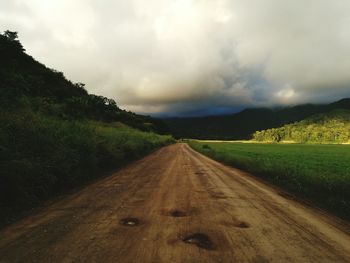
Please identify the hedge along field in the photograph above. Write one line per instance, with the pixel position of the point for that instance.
(319, 173)
(41, 156)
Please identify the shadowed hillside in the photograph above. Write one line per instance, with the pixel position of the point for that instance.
(243, 124)
(27, 83)
(55, 136)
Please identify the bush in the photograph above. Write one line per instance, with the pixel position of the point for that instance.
(42, 156)
(206, 146)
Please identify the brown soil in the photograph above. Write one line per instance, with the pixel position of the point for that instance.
(177, 205)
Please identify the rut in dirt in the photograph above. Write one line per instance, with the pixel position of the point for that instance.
(176, 205)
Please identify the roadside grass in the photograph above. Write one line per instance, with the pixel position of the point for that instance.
(42, 156)
(318, 173)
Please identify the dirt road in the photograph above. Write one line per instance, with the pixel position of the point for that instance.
(176, 205)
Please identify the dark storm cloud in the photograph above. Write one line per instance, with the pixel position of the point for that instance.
(192, 57)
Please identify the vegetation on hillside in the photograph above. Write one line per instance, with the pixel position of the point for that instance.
(242, 125)
(27, 83)
(332, 127)
(55, 136)
(41, 156)
(319, 173)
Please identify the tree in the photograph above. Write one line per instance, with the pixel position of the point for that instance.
(11, 35)
(12, 38)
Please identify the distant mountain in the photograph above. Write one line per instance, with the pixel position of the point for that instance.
(330, 127)
(26, 83)
(243, 124)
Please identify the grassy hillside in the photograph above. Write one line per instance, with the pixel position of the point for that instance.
(243, 124)
(332, 127)
(55, 136)
(319, 173)
(27, 83)
(41, 156)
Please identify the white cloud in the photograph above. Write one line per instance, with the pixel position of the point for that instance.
(160, 55)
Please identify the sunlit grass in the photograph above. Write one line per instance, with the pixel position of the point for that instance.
(320, 173)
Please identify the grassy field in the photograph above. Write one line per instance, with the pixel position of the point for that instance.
(41, 156)
(319, 173)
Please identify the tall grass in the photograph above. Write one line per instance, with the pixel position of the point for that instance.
(41, 156)
(319, 173)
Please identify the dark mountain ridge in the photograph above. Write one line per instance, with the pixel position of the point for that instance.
(243, 124)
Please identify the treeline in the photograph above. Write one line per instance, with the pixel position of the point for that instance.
(332, 127)
(27, 83)
(241, 125)
(55, 136)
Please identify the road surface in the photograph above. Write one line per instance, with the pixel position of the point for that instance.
(177, 205)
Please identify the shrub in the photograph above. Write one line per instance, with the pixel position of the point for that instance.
(42, 156)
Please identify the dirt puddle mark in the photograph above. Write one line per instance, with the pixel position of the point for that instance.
(200, 240)
(130, 221)
(235, 223)
(287, 196)
(217, 195)
(242, 225)
(177, 213)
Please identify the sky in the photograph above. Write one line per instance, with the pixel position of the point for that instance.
(191, 57)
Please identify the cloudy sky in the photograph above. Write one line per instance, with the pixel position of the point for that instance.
(188, 57)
